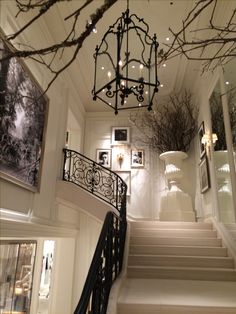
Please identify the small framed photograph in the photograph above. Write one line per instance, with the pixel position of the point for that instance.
(104, 157)
(120, 135)
(126, 177)
(201, 132)
(204, 175)
(137, 158)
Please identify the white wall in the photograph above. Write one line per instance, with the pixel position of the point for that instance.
(202, 87)
(147, 183)
(44, 218)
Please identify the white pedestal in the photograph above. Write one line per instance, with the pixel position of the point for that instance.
(176, 205)
(224, 187)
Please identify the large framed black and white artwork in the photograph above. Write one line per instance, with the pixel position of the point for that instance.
(23, 116)
(120, 135)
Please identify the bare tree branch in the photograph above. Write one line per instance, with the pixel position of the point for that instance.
(216, 49)
(71, 40)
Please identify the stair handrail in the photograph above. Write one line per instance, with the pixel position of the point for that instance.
(107, 261)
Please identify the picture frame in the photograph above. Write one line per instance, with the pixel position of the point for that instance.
(120, 135)
(126, 177)
(24, 122)
(103, 157)
(204, 175)
(201, 132)
(137, 158)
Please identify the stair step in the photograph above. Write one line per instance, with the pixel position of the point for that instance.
(180, 261)
(175, 241)
(134, 308)
(178, 250)
(184, 273)
(192, 233)
(171, 225)
(231, 226)
(233, 233)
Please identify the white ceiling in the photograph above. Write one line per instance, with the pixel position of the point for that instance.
(160, 15)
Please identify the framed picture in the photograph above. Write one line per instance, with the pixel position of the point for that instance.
(137, 158)
(204, 175)
(201, 132)
(23, 122)
(120, 135)
(126, 177)
(104, 157)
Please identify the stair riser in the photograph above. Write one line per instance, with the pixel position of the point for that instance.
(231, 226)
(175, 233)
(172, 309)
(175, 241)
(171, 225)
(181, 261)
(185, 274)
(172, 250)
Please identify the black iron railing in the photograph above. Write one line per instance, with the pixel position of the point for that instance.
(108, 257)
(92, 177)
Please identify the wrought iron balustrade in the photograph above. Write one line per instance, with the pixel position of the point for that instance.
(105, 267)
(92, 177)
(107, 261)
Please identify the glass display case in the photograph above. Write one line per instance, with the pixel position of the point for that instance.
(16, 274)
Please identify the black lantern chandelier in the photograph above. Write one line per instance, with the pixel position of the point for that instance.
(126, 79)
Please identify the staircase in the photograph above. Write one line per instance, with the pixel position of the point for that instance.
(185, 259)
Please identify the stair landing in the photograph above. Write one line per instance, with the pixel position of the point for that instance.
(166, 296)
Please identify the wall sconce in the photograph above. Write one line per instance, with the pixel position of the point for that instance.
(120, 158)
(207, 140)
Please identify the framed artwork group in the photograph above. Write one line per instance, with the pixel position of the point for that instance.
(120, 158)
(203, 165)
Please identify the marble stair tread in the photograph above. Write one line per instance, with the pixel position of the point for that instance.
(174, 232)
(172, 309)
(186, 273)
(178, 250)
(231, 226)
(181, 261)
(159, 296)
(175, 241)
(171, 225)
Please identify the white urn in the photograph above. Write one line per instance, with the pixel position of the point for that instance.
(175, 205)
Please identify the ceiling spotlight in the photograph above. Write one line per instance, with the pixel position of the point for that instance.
(161, 85)
(164, 65)
(227, 82)
(167, 38)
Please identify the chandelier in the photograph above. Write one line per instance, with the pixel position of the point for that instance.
(126, 65)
